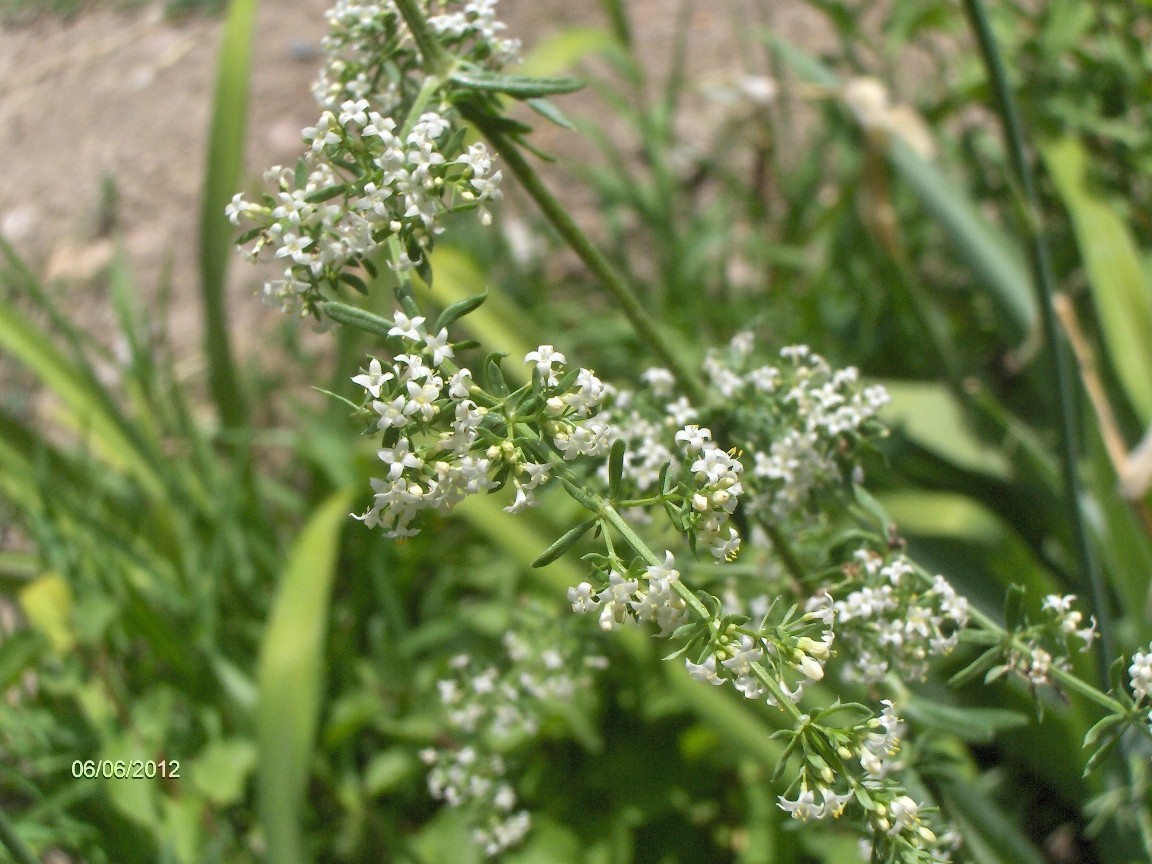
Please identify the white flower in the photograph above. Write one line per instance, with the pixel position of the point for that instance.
(804, 807)
(1141, 673)
(439, 346)
(582, 598)
(406, 327)
(374, 379)
(705, 672)
(544, 357)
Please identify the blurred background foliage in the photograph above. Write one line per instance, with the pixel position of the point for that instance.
(179, 581)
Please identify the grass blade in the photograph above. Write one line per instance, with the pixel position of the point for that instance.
(1119, 286)
(225, 160)
(290, 679)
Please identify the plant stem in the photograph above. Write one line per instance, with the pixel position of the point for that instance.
(645, 326)
(432, 54)
(1044, 284)
(16, 847)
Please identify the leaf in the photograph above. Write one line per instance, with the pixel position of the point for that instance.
(355, 281)
(616, 468)
(47, 603)
(1121, 291)
(290, 679)
(516, 86)
(361, 319)
(566, 541)
(1014, 607)
(977, 667)
(565, 49)
(997, 265)
(979, 725)
(388, 770)
(325, 194)
(225, 161)
(88, 404)
(550, 112)
(458, 310)
(222, 769)
(19, 652)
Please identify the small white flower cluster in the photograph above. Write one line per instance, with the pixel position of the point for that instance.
(363, 37)
(1049, 643)
(896, 620)
(378, 168)
(894, 818)
(430, 430)
(1141, 674)
(1069, 619)
(485, 703)
(362, 182)
(651, 597)
(816, 414)
(798, 422)
(795, 650)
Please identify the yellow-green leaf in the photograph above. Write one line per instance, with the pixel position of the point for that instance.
(290, 679)
(47, 603)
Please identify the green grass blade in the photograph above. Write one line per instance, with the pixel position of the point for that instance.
(225, 161)
(290, 679)
(87, 403)
(1120, 290)
(997, 266)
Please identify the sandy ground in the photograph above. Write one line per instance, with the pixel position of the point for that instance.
(124, 97)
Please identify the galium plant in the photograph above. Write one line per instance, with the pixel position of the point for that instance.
(742, 458)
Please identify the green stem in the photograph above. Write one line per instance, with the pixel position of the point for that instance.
(16, 847)
(643, 323)
(432, 54)
(1044, 283)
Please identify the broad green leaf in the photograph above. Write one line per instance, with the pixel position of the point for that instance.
(136, 798)
(290, 679)
(1120, 287)
(221, 182)
(222, 769)
(933, 417)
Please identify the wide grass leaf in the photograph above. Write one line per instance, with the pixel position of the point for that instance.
(290, 679)
(1120, 290)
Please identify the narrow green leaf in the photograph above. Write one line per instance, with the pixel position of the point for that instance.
(325, 194)
(350, 316)
(997, 265)
(516, 86)
(971, 724)
(1014, 607)
(550, 112)
(89, 406)
(458, 310)
(355, 281)
(566, 541)
(225, 160)
(290, 679)
(616, 468)
(1120, 287)
(977, 667)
